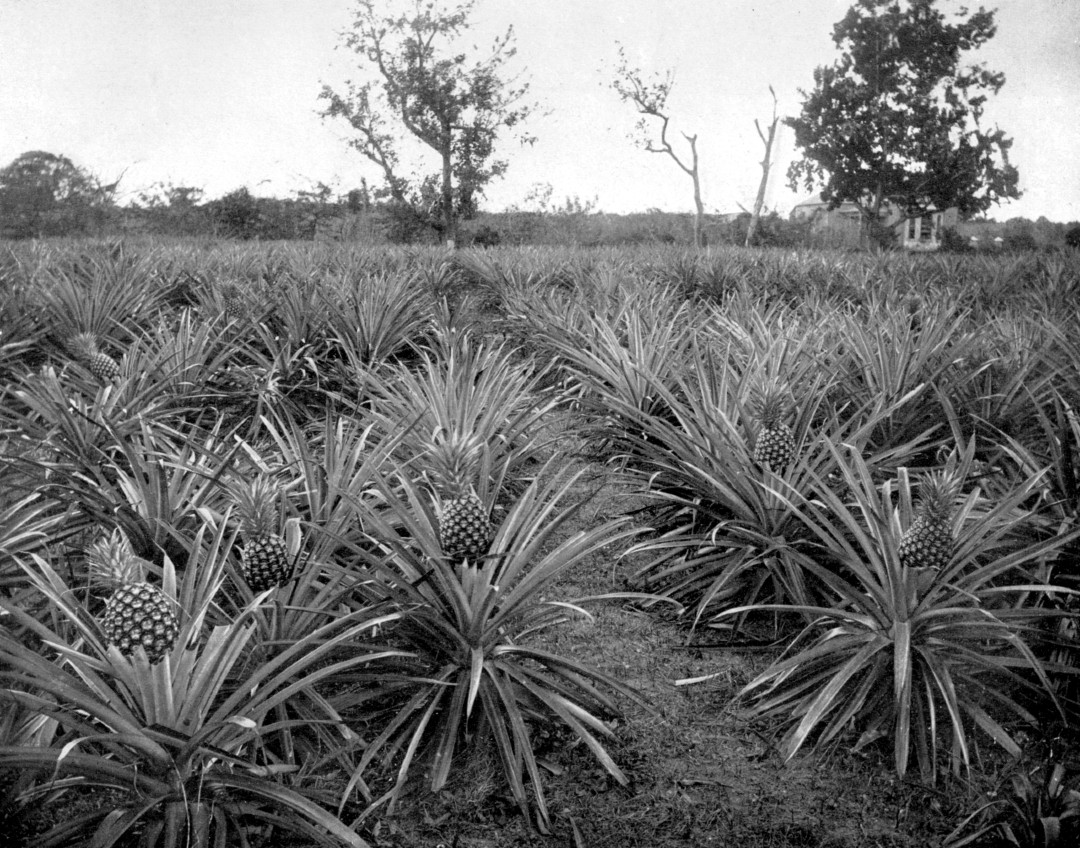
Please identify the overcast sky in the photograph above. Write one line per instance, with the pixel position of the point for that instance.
(220, 94)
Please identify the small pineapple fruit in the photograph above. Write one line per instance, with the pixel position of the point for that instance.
(101, 365)
(775, 445)
(464, 527)
(232, 300)
(929, 542)
(234, 379)
(137, 613)
(265, 559)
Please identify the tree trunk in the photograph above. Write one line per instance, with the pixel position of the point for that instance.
(759, 201)
(699, 212)
(871, 220)
(449, 224)
(699, 207)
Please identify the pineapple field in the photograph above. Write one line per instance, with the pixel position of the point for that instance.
(320, 545)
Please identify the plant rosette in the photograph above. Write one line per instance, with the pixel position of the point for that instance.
(467, 626)
(916, 656)
(177, 738)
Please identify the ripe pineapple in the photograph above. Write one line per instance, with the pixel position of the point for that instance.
(136, 613)
(101, 365)
(233, 302)
(265, 559)
(929, 542)
(775, 445)
(465, 530)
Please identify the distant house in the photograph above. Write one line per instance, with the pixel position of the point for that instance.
(729, 217)
(842, 226)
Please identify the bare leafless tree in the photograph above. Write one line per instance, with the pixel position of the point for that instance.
(767, 139)
(649, 96)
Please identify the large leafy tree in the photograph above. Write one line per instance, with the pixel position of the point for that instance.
(897, 119)
(43, 194)
(422, 81)
(236, 214)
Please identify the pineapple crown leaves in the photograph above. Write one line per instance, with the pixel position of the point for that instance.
(113, 562)
(938, 491)
(936, 496)
(453, 461)
(258, 505)
(233, 290)
(84, 344)
(770, 403)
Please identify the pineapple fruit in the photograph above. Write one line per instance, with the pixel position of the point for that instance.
(137, 613)
(232, 300)
(465, 529)
(101, 365)
(265, 559)
(929, 542)
(775, 446)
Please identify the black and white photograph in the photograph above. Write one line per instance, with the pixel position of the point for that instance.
(539, 424)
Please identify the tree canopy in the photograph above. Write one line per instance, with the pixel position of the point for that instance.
(897, 119)
(43, 194)
(455, 104)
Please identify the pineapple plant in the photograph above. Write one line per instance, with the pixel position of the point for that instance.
(465, 529)
(929, 541)
(137, 613)
(265, 559)
(101, 365)
(775, 446)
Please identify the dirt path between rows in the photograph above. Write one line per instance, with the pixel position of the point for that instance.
(700, 775)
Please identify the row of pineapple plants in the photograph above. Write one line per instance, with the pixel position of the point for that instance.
(284, 592)
(893, 472)
(351, 397)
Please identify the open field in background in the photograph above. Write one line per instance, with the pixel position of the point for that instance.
(549, 574)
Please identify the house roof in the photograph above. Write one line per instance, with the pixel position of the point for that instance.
(815, 200)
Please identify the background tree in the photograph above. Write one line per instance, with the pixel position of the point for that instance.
(455, 105)
(236, 214)
(649, 97)
(174, 210)
(313, 206)
(539, 196)
(1018, 235)
(897, 120)
(359, 199)
(43, 194)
